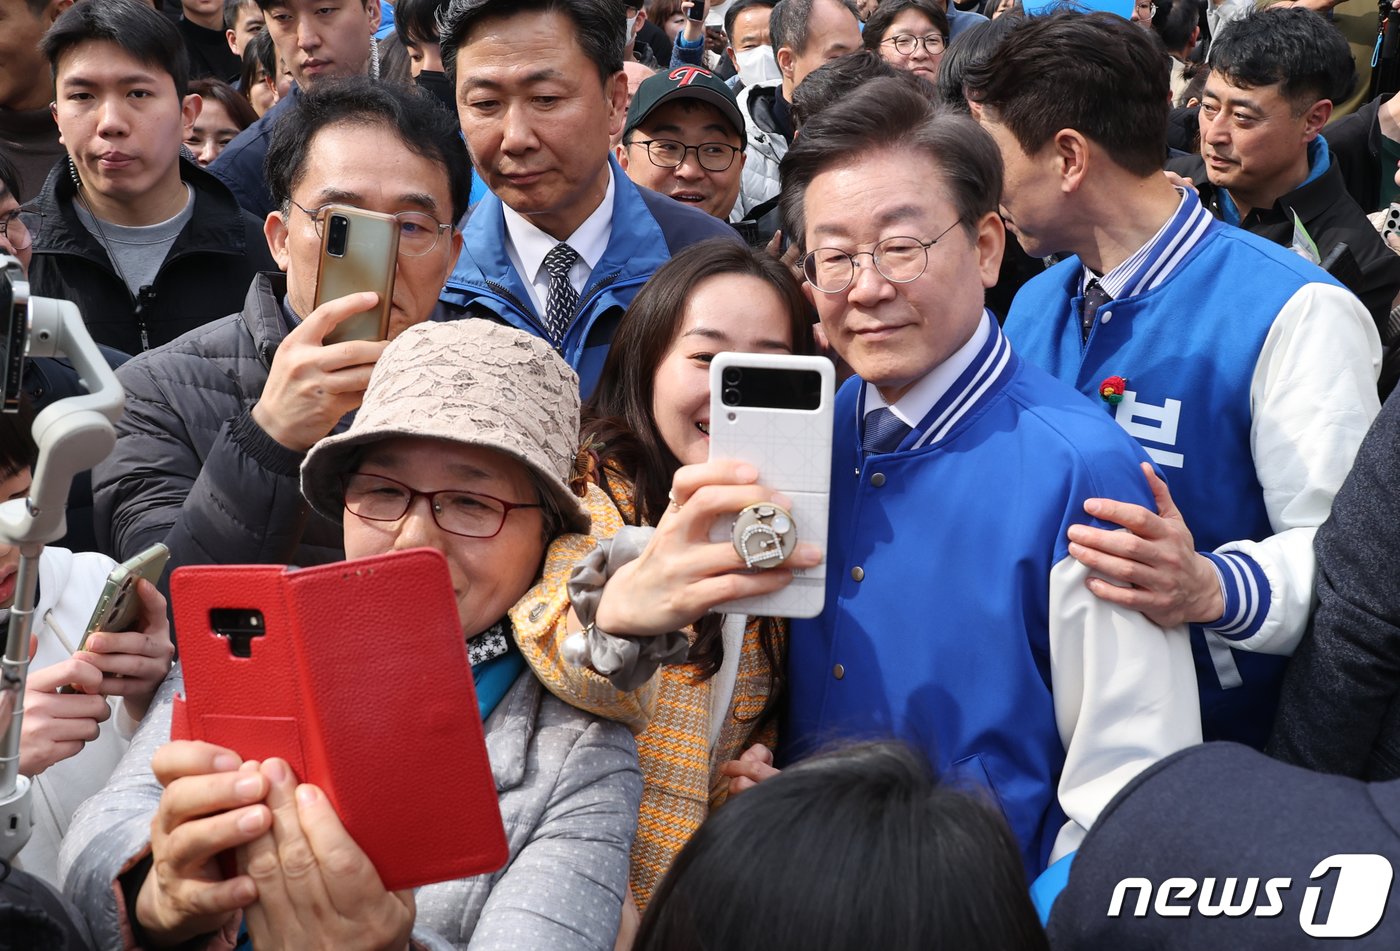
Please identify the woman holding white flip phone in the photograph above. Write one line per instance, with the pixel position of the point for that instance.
(646, 463)
(72, 741)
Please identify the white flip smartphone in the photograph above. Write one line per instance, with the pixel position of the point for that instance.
(775, 412)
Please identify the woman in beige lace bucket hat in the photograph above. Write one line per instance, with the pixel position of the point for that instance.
(472, 383)
(465, 443)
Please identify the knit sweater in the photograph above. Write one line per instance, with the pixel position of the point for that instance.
(670, 713)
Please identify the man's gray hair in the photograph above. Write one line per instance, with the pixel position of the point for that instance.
(790, 23)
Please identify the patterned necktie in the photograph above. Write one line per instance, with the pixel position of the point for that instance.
(562, 299)
(1094, 298)
(884, 431)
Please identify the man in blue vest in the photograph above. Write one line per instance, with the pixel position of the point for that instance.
(565, 240)
(1246, 372)
(955, 618)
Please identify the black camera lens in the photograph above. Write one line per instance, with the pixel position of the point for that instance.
(731, 396)
(339, 231)
(732, 375)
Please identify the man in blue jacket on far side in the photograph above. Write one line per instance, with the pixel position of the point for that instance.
(564, 241)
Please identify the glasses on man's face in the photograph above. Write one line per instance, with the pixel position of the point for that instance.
(18, 226)
(668, 153)
(381, 499)
(418, 230)
(906, 43)
(898, 260)
(1145, 11)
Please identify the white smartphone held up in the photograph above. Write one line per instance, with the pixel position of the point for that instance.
(775, 412)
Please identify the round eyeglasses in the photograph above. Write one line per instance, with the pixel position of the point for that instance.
(906, 43)
(898, 260)
(668, 153)
(381, 499)
(418, 230)
(17, 227)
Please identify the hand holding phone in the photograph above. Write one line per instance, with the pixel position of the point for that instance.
(59, 721)
(683, 574)
(134, 663)
(1390, 232)
(359, 252)
(119, 606)
(311, 386)
(697, 10)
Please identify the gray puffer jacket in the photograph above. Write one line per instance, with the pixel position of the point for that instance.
(192, 469)
(569, 789)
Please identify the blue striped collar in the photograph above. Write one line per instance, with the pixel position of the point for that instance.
(1154, 262)
(991, 362)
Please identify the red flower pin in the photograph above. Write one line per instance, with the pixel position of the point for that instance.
(1112, 389)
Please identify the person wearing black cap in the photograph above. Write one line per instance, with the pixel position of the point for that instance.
(685, 138)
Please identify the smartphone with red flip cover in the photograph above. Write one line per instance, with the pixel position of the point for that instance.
(356, 674)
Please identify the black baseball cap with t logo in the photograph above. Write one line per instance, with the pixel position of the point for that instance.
(685, 82)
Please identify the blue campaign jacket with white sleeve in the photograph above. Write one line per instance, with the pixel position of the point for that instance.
(647, 229)
(956, 620)
(1250, 382)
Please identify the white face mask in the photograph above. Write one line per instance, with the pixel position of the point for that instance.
(757, 65)
(631, 29)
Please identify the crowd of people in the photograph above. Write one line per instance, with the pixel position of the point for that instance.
(1114, 498)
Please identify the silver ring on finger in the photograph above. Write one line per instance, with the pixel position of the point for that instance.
(672, 496)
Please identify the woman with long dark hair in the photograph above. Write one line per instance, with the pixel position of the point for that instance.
(644, 463)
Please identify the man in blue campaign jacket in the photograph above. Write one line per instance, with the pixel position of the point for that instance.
(1247, 373)
(954, 617)
(565, 240)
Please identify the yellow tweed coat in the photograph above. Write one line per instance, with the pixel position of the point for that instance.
(670, 714)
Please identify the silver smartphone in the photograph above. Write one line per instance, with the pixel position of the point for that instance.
(119, 606)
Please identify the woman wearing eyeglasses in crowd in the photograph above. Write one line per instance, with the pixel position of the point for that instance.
(909, 34)
(464, 443)
(646, 449)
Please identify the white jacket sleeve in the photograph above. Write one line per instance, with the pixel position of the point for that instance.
(1312, 400)
(1124, 692)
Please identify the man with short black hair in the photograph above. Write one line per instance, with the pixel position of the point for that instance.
(242, 18)
(28, 134)
(144, 242)
(1180, 30)
(1247, 373)
(217, 422)
(316, 41)
(1264, 165)
(202, 26)
(1005, 669)
(804, 34)
(565, 240)
(684, 138)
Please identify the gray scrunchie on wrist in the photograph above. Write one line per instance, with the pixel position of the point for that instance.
(627, 662)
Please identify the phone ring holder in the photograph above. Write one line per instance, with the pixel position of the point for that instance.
(764, 535)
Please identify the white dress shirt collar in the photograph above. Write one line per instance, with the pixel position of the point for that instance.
(527, 246)
(918, 402)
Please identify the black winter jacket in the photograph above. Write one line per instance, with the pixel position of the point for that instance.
(1355, 143)
(1331, 216)
(1340, 707)
(192, 469)
(34, 915)
(205, 276)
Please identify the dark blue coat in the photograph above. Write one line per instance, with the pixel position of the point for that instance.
(647, 228)
(1287, 851)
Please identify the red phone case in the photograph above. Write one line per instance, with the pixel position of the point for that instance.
(361, 682)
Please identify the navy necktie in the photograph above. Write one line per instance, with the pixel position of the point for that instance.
(562, 298)
(1094, 298)
(884, 431)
